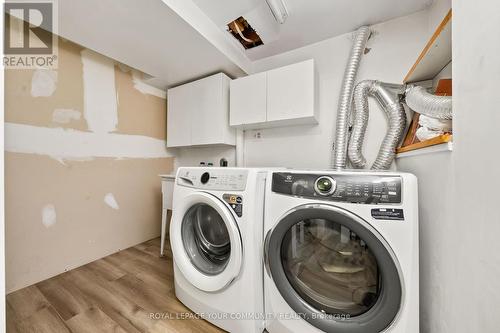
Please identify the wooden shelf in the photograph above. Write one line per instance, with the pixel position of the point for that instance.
(435, 55)
(427, 143)
(442, 147)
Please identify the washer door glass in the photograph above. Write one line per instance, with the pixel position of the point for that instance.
(330, 267)
(206, 239)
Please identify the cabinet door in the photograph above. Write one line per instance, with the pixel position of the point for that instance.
(208, 119)
(290, 92)
(248, 100)
(179, 108)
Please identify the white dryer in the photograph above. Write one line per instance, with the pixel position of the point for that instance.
(216, 234)
(341, 252)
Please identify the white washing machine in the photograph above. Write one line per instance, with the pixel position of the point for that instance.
(216, 234)
(341, 252)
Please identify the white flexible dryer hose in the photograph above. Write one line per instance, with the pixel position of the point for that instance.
(419, 100)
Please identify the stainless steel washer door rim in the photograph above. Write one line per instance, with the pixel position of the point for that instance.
(309, 268)
(206, 239)
(188, 261)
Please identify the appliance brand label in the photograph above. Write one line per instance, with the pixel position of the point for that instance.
(388, 214)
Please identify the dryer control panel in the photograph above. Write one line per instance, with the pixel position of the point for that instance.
(213, 178)
(364, 189)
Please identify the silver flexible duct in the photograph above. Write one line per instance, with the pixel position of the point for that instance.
(388, 97)
(419, 100)
(360, 122)
(358, 47)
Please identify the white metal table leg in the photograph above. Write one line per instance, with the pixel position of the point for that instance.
(163, 230)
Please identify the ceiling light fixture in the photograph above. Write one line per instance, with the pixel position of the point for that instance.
(279, 10)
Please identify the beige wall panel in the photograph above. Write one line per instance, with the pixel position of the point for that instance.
(139, 113)
(85, 228)
(22, 107)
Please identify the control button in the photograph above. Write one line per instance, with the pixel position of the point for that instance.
(325, 185)
(205, 178)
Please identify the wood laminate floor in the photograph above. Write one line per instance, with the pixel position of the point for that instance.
(129, 291)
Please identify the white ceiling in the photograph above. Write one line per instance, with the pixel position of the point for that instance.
(176, 41)
(146, 35)
(311, 21)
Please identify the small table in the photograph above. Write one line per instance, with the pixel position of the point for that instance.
(167, 190)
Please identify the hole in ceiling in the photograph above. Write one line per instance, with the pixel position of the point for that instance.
(244, 33)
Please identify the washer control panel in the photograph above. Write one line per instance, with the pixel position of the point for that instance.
(213, 178)
(364, 189)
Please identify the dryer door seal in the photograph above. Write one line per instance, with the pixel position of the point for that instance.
(206, 242)
(334, 270)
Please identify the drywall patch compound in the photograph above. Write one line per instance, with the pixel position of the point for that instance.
(64, 116)
(49, 216)
(43, 83)
(145, 88)
(110, 200)
(72, 144)
(99, 92)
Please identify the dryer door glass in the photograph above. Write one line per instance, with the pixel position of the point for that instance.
(331, 267)
(206, 239)
(334, 269)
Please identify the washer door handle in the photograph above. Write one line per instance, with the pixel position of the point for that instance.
(266, 253)
(185, 181)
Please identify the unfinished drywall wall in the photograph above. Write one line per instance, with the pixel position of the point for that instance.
(61, 216)
(85, 144)
(393, 49)
(134, 96)
(24, 103)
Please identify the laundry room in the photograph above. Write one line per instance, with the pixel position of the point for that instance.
(249, 166)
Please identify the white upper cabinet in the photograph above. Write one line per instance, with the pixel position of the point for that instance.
(179, 109)
(198, 113)
(290, 92)
(248, 100)
(279, 97)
